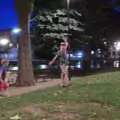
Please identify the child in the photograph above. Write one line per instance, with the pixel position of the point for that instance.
(3, 72)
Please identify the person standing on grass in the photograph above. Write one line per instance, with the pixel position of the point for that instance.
(67, 43)
(64, 64)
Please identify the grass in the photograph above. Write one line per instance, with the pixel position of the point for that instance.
(94, 97)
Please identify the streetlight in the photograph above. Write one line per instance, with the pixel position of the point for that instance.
(68, 17)
(15, 33)
(4, 41)
(16, 30)
(92, 52)
(68, 2)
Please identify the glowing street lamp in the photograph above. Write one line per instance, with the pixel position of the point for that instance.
(16, 30)
(92, 52)
(4, 41)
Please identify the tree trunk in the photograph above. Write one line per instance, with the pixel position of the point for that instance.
(25, 73)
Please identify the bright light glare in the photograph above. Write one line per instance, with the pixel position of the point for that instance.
(117, 46)
(79, 54)
(105, 43)
(43, 66)
(71, 55)
(10, 45)
(68, 2)
(78, 65)
(14, 68)
(16, 30)
(92, 52)
(4, 41)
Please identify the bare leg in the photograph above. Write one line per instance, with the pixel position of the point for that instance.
(66, 78)
(62, 78)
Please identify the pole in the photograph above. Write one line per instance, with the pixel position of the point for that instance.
(68, 19)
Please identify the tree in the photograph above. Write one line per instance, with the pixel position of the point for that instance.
(52, 25)
(25, 73)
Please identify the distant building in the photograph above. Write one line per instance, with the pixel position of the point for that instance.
(114, 53)
(7, 51)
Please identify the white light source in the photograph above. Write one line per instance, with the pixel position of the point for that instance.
(78, 65)
(16, 30)
(68, 2)
(99, 50)
(79, 54)
(43, 66)
(92, 52)
(10, 45)
(117, 46)
(105, 43)
(14, 68)
(4, 41)
(71, 55)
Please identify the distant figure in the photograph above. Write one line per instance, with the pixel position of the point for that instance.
(3, 68)
(3, 73)
(64, 64)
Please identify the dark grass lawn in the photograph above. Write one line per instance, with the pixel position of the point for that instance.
(94, 97)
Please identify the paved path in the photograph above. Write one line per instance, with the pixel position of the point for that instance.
(12, 91)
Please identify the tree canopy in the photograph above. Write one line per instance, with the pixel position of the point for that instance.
(50, 26)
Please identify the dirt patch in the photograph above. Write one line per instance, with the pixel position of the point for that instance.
(65, 116)
(12, 91)
(66, 111)
(33, 109)
(102, 106)
(60, 108)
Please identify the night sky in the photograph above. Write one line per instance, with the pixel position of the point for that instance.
(9, 18)
(101, 14)
(8, 15)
